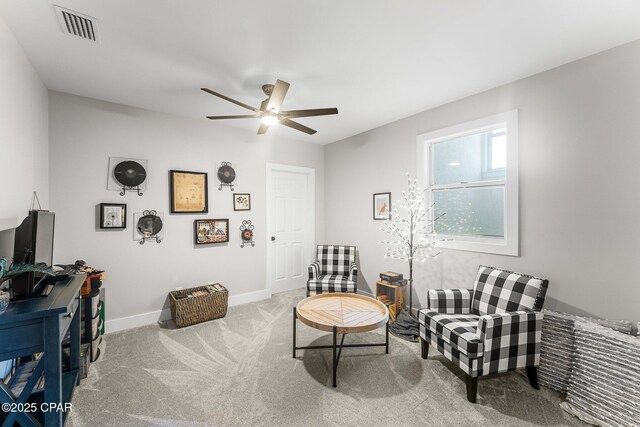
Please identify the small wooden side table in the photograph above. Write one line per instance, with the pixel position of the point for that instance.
(395, 292)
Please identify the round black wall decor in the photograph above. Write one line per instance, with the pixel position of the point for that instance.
(129, 173)
(226, 175)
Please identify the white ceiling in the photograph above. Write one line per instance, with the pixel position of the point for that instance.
(376, 60)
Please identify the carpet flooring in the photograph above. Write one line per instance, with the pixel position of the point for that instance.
(239, 371)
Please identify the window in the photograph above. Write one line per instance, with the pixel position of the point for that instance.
(471, 172)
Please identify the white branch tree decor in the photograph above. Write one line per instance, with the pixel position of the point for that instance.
(412, 229)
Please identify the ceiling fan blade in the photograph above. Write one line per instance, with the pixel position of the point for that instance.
(263, 129)
(277, 95)
(309, 113)
(226, 98)
(297, 126)
(245, 116)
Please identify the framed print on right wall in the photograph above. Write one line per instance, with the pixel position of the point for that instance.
(241, 201)
(381, 206)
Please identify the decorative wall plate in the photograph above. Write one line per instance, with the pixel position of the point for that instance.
(148, 226)
(127, 174)
(246, 233)
(226, 175)
(130, 173)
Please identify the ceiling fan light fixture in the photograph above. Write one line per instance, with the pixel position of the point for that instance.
(270, 112)
(270, 119)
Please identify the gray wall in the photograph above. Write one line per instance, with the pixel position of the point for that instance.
(85, 132)
(23, 137)
(579, 136)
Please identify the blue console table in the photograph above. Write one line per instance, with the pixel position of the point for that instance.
(39, 325)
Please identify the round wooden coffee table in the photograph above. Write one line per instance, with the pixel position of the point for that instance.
(343, 313)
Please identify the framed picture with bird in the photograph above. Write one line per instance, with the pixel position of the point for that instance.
(381, 206)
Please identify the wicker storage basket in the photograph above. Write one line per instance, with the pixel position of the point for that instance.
(189, 311)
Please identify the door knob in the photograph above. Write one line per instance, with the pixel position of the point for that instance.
(273, 238)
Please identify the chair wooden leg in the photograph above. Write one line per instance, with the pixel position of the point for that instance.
(472, 388)
(532, 374)
(424, 348)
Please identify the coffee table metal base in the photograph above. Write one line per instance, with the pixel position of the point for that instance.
(337, 349)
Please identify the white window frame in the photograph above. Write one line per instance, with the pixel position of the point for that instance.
(509, 244)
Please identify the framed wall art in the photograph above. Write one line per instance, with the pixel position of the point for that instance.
(381, 206)
(241, 201)
(211, 231)
(189, 192)
(113, 215)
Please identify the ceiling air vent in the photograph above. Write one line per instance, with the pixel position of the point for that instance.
(77, 24)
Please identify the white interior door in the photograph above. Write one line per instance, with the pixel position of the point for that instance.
(291, 225)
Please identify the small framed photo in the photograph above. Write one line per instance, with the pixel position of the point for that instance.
(211, 231)
(113, 215)
(381, 205)
(241, 201)
(189, 192)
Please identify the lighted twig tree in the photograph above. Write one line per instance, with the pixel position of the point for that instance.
(412, 227)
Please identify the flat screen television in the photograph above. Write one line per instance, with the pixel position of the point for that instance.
(33, 244)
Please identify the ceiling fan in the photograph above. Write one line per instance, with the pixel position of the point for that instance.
(269, 112)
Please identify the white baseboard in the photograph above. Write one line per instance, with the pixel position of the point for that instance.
(152, 317)
(123, 323)
(249, 297)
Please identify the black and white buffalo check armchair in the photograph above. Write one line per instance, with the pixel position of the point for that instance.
(494, 327)
(333, 271)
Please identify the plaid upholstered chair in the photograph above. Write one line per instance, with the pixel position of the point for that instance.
(494, 327)
(333, 271)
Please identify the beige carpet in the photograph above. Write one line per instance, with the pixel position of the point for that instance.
(238, 371)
